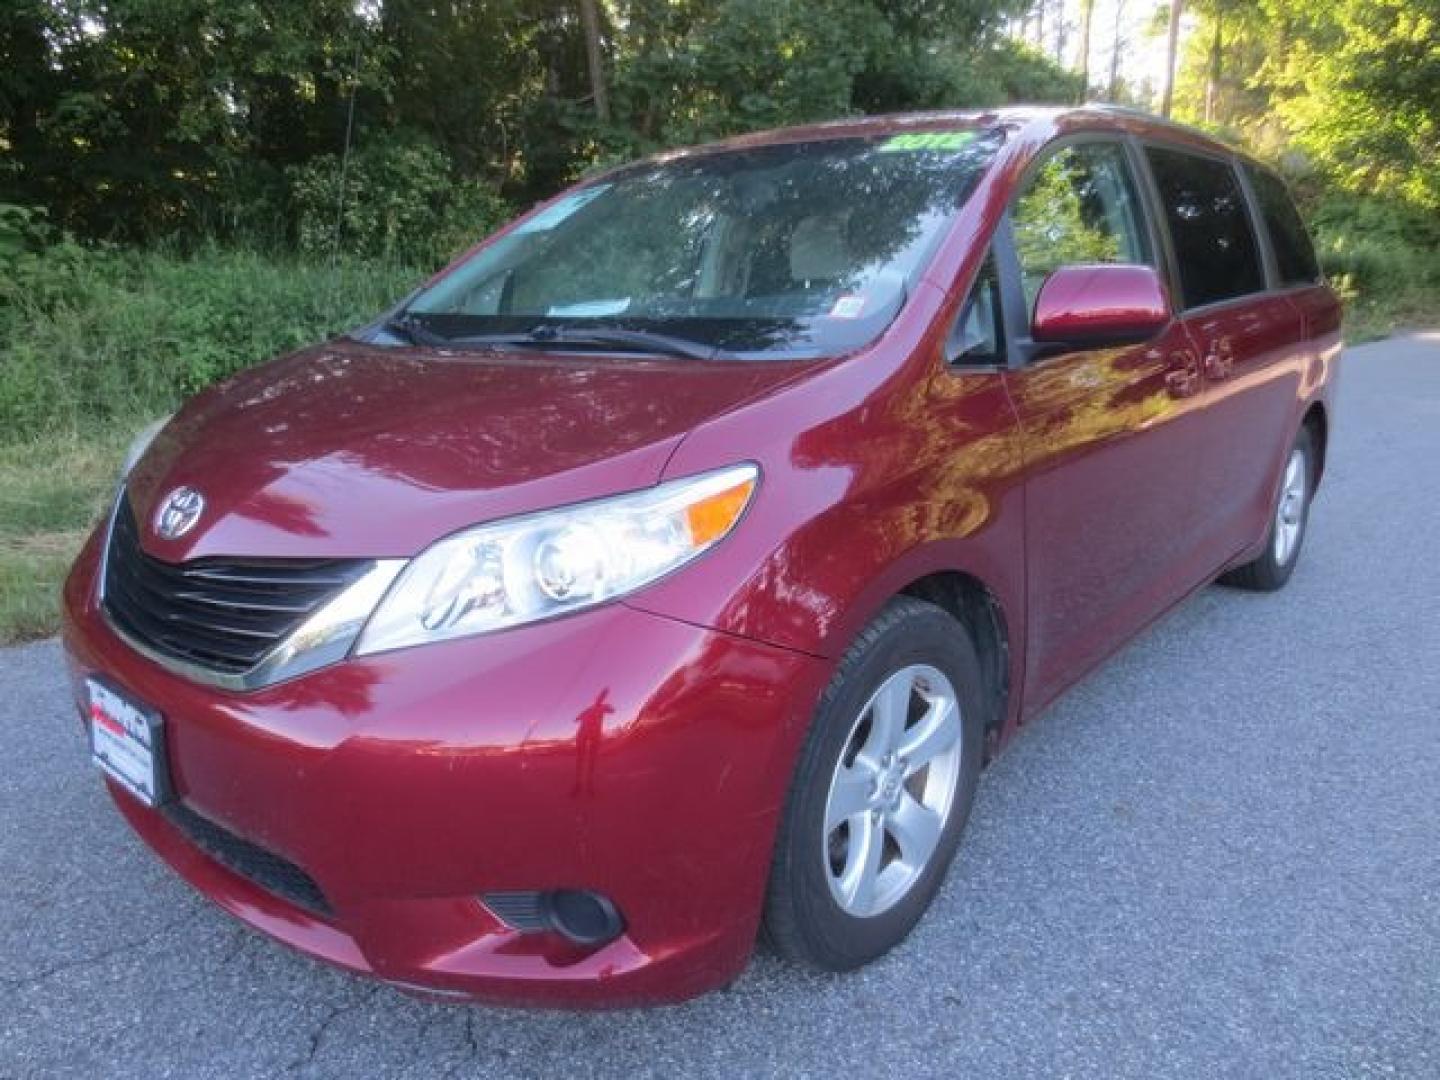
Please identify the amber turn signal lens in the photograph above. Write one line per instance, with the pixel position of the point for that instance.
(713, 516)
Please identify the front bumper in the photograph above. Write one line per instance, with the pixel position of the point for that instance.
(617, 751)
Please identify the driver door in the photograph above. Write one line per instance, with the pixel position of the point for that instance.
(1112, 437)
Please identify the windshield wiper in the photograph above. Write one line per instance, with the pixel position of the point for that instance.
(599, 337)
(410, 327)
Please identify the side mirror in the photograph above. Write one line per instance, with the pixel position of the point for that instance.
(1098, 306)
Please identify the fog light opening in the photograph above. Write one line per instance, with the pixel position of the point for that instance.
(586, 918)
(579, 916)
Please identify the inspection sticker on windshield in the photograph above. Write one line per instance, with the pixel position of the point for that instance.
(848, 306)
(928, 140)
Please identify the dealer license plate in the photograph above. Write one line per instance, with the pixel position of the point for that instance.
(127, 742)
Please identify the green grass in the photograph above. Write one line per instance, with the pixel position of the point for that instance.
(102, 336)
(52, 490)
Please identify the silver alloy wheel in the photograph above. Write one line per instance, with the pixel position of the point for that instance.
(892, 790)
(1290, 511)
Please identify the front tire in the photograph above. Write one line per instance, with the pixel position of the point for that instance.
(1288, 523)
(882, 791)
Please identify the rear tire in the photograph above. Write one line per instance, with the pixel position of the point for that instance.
(1289, 520)
(881, 793)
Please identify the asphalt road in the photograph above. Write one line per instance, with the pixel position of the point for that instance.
(1220, 856)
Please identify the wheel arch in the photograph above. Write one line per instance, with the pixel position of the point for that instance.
(976, 607)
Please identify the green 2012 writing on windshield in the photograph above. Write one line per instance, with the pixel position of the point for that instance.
(928, 140)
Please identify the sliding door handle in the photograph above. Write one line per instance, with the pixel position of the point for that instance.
(1220, 359)
(1183, 380)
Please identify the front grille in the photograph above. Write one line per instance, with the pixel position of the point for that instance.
(221, 614)
(275, 875)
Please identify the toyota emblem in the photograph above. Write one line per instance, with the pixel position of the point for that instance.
(178, 513)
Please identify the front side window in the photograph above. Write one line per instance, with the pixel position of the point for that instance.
(1209, 226)
(978, 336)
(1080, 206)
(793, 249)
(1294, 253)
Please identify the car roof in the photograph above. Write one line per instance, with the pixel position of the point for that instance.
(1041, 122)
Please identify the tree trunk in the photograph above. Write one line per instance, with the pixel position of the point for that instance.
(1119, 43)
(1087, 13)
(1167, 97)
(1212, 83)
(591, 19)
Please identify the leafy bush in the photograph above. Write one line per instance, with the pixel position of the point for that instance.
(91, 335)
(1377, 244)
(1016, 71)
(23, 229)
(1383, 255)
(400, 203)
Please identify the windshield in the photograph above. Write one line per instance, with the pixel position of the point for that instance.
(800, 249)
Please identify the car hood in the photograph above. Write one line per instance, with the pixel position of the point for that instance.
(349, 450)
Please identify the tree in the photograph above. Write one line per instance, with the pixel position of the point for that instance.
(1356, 86)
(1087, 16)
(1216, 65)
(1172, 41)
(1346, 89)
(593, 56)
(131, 119)
(1217, 70)
(1117, 46)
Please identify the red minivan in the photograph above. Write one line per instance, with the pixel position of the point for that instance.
(666, 568)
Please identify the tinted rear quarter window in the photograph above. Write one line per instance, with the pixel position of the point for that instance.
(1209, 226)
(1294, 253)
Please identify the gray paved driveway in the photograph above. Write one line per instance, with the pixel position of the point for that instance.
(1219, 856)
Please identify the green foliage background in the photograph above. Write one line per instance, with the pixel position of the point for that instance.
(1344, 95)
(136, 119)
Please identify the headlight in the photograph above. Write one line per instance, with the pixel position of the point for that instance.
(141, 443)
(546, 564)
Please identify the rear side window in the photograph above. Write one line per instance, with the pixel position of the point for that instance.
(1294, 253)
(1209, 226)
